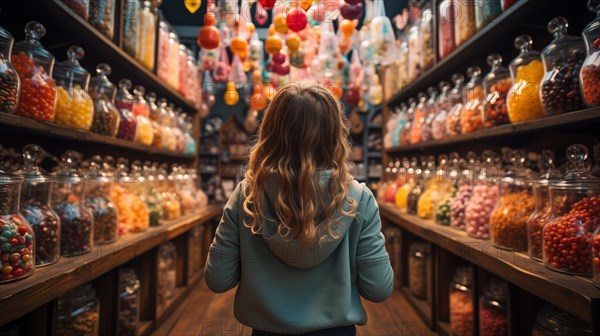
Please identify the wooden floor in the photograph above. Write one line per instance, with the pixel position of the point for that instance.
(394, 317)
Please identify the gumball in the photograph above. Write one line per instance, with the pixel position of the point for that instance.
(239, 46)
(208, 37)
(273, 44)
(210, 19)
(353, 2)
(280, 24)
(296, 19)
(347, 27)
(318, 13)
(293, 43)
(232, 97)
(351, 12)
(279, 58)
(282, 69)
(267, 4)
(352, 96)
(258, 101)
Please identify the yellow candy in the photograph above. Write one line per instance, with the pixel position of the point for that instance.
(145, 133)
(402, 195)
(523, 97)
(75, 109)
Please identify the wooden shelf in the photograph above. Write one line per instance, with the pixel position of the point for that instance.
(145, 327)
(422, 308)
(52, 131)
(444, 329)
(570, 119)
(47, 283)
(576, 295)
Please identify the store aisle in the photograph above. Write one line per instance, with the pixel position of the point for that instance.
(210, 314)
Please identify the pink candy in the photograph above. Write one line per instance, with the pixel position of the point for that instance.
(459, 205)
(479, 209)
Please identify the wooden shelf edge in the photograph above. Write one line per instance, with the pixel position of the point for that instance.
(510, 129)
(444, 329)
(571, 293)
(421, 307)
(145, 328)
(45, 284)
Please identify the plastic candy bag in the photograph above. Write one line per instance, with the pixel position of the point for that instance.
(382, 40)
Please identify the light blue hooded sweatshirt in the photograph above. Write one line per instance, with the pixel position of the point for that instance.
(285, 287)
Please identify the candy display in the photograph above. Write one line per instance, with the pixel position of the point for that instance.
(102, 16)
(508, 222)
(419, 115)
(438, 125)
(168, 138)
(106, 116)
(34, 65)
(464, 20)
(590, 70)
(124, 103)
(493, 309)
(419, 253)
(455, 96)
(471, 115)
(480, 206)
(162, 58)
(75, 107)
(9, 79)
(130, 26)
(427, 44)
(147, 36)
(486, 11)
(567, 234)
(560, 90)
(78, 312)
(166, 274)
(542, 211)
(36, 207)
(526, 71)
(153, 197)
(155, 120)
(446, 38)
(98, 200)
(404, 190)
(141, 110)
(79, 7)
(436, 187)
(443, 208)
(133, 212)
(129, 303)
(496, 85)
(426, 128)
(596, 258)
(553, 321)
(461, 302)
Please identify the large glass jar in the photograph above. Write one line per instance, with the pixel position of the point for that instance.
(99, 202)
(79, 7)
(419, 115)
(141, 110)
(166, 274)
(34, 65)
(453, 119)
(495, 86)
(422, 175)
(76, 222)
(162, 67)
(75, 107)
(426, 128)
(195, 248)
(414, 44)
(17, 248)
(147, 36)
(448, 191)
(400, 123)
(130, 26)
(173, 61)
(418, 256)
(461, 301)
(102, 91)
(153, 198)
(486, 11)
(464, 20)
(192, 79)
(124, 102)
(493, 309)
(426, 31)
(127, 193)
(551, 321)
(438, 125)
(459, 203)
(446, 40)
(78, 312)
(36, 208)
(590, 70)
(172, 205)
(169, 140)
(102, 16)
(435, 187)
(508, 221)
(560, 90)
(155, 120)
(390, 126)
(190, 142)
(404, 183)
(9, 79)
(129, 303)
(471, 116)
(402, 63)
(596, 258)
(535, 223)
(182, 59)
(526, 71)
(405, 132)
(482, 202)
(575, 215)
(175, 128)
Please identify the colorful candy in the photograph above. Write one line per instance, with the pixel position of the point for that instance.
(459, 205)
(105, 219)
(461, 312)
(76, 225)
(523, 97)
(560, 92)
(9, 89)
(38, 93)
(133, 213)
(106, 118)
(46, 228)
(17, 248)
(495, 111)
(590, 84)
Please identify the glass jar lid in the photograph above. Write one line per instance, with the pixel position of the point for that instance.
(563, 45)
(472, 90)
(5, 166)
(139, 92)
(100, 83)
(123, 93)
(432, 92)
(68, 169)
(33, 155)
(496, 74)
(577, 175)
(516, 172)
(31, 45)
(455, 93)
(496, 292)
(547, 168)
(527, 54)
(70, 72)
(122, 171)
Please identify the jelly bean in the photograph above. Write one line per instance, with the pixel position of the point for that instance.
(495, 111)
(560, 91)
(133, 213)
(74, 108)
(16, 255)
(493, 322)
(46, 228)
(508, 222)
(523, 97)
(9, 89)
(590, 85)
(76, 228)
(38, 93)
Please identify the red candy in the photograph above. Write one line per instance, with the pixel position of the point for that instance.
(590, 83)
(38, 92)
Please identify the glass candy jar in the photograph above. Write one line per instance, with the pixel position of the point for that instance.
(435, 187)
(169, 141)
(34, 65)
(455, 97)
(471, 116)
(405, 132)
(78, 312)
(17, 245)
(75, 107)
(162, 58)
(102, 16)
(172, 203)
(446, 39)
(486, 11)
(508, 221)
(422, 176)
(493, 309)
(596, 258)
(99, 202)
(526, 71)
(426, 128)
(130, 26)
(562, 58)
(133, 213)
(535, 223)
(106, 115)
(419, 115)
(461, 301)
(190, 142)
(400, 120)
(495, 86)
(76, 222)
(182, 59)
(551, 321)
(567, 234)
(141, 110)
(147, 36)
(418, 256)
(153, 197)
(79, 7)
(590, 70)
(167, 274)
(464, 191)
(482, 202)
(438, 125)
(129, 303)
(155, 120)
(464, 20)
(426, 32)
(36, 206)
(404, 183)
(175, 128)
(9, 79)
(173, 61)
(124, 102)
(414, 44)
(443, 210)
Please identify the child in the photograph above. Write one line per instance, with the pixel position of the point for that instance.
(299, 237)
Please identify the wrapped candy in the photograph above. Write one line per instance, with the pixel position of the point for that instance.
(222, 68)
(382, 39)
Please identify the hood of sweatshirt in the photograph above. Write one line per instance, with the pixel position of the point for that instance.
(293, 252)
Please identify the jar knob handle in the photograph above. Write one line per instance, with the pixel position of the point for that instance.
(494, 60)
(103, 70)
(33, 155)
(75, 53)
(577, 155)
(523, 42)
(34, 30)
(558, 25)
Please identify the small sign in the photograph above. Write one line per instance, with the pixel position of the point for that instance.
(192, 5)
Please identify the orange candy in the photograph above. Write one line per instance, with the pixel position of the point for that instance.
(209, 38)
(273, 44)
(280, 24)
(347, 27)
(293, 43)
(239, 46)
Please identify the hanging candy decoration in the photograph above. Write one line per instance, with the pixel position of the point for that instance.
(256, 77)
(222, 68)
(273, 44)
(376, 91)
(226, 34)
(239, 46)
(351, 12)
(267, 4)
(347, 27)
(326, 63)
(293, 43)
(208, 36)
(382, 39)
(232, 97)
(261, 15)
(280, 24)
(258, 101)
(208, 58)
(296, 19)
(317, 13)
(237, 74)
(353, 2)
(208, 89)
(352, 96)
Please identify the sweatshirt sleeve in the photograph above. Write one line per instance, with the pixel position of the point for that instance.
(375, 274)
(222, 269)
